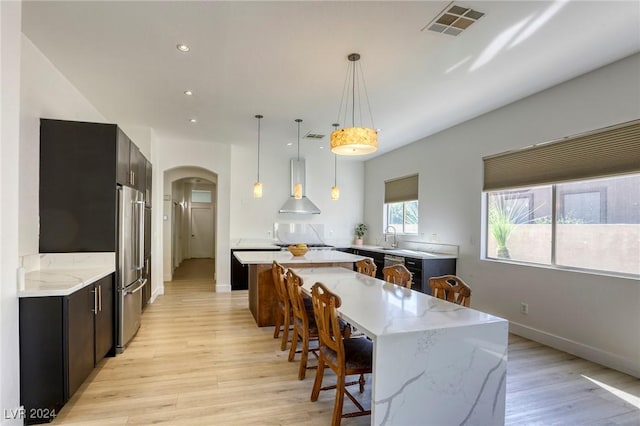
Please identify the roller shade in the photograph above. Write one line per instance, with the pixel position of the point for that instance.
(610, 151)
(401, 189)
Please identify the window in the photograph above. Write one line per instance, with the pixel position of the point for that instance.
(402, 216)
(577, 204)
(519, 225)
(200, 196)
(401, 205)
(597, 225)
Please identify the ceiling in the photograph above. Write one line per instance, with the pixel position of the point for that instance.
(288, 60)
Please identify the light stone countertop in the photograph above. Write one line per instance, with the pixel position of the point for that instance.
(62, 274)
(312, 256)
(405, 252)
(379, 308)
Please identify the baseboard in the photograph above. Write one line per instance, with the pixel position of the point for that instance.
(223, 288)
(157, 292)
(581, 350)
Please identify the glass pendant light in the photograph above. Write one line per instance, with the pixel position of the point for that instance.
(335, 190)
(297, 187)
(257, 187)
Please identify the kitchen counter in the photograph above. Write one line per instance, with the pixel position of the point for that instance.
(285, 257)
(418, 254)
(253, 245)
(61, 274)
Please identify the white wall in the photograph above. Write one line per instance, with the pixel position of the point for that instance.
(253, 218)
(10, 18)
(45, 93)
(593, 316)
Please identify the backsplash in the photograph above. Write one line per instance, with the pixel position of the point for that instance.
(34, 262)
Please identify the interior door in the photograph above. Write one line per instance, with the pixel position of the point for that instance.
(201, 233)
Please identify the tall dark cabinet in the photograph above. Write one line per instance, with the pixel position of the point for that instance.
(63, 338)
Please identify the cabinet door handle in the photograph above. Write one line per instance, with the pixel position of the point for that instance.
(100, 298)
(95, 301)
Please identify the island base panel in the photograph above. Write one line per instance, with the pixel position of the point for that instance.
(262, 294)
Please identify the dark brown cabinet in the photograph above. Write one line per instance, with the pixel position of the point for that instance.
(137, 168)
(131, 164)
(77, 186)
(80, 167)
(80, 337)
(105, 318)
(62, 338)
(423, 269)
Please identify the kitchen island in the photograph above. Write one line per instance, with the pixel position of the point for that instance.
(434, 362)
(262, 293)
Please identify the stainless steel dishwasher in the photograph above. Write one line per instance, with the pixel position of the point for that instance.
(390, 259)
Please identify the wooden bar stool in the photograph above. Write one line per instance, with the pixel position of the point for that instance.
(451, 288)
(398, 274)
(345, 356)
(366, 266)
(283, 310)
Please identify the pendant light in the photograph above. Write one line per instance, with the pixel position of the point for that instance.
(335, 191)
(297, 187)
(257, 187)
(354, 140)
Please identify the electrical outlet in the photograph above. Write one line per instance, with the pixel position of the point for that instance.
(524, 308)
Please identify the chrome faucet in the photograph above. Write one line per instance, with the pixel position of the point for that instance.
(394, 244)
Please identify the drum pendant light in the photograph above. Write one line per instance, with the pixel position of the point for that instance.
(354, 140)
(257, 187)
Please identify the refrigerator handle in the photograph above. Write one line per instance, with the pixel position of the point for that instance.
(141, 235)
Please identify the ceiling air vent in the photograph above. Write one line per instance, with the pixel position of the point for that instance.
(313, 136)
(453, 20)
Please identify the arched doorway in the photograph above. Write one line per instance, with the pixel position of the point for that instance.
(190, 214)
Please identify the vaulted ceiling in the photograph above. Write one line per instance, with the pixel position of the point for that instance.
(288, 60)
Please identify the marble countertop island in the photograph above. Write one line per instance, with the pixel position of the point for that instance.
(434, 362)
(61, 274)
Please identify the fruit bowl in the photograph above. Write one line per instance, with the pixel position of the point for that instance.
(298, 251)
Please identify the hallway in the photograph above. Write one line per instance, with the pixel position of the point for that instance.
(195, 269)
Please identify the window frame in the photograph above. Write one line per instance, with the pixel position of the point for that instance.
(555, 195)
(386, 215)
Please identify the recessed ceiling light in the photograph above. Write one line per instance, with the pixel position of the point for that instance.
(290, 143)
(193, 120)
(188, 92)
(322, 147)
(183, 47)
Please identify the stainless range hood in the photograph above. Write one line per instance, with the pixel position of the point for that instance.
(302, 205)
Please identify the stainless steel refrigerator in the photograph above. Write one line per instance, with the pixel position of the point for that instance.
(130, 263)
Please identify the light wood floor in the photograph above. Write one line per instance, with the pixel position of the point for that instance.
(199, 359)
(195, 269)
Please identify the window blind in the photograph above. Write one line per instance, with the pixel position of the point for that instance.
(610, 151)
(401, 189)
